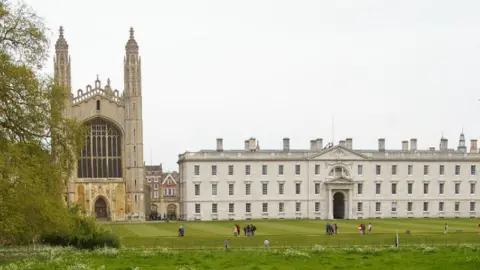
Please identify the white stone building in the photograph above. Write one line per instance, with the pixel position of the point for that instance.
(332, 182)
(109, 179)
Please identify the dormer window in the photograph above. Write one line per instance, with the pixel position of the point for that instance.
(339, 172)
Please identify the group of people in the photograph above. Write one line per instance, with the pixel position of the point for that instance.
(362, 228)
(331, 229)
(248, 230)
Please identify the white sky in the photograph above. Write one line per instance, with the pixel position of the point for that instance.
(274, 69)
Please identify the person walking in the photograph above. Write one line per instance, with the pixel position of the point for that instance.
(227, 244)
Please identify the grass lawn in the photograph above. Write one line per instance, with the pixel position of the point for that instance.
(298, 233)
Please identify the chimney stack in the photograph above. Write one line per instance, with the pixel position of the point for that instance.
(444, 144)
(319, 144)
(413, 144)
(219, 144)
(349, 143)
(473, 146)
(381, 145)
(341, 143)
(247, 145)
(405, 145)
(252, 144)
(286, 144)
(313, 145)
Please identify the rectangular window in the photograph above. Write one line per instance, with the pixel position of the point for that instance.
(231, 189)
(378, 188)
(359, 206)
(473, 170)
(214, 189)
(410, 188)
(378, 206)
(394, 169)
(409, 206)
(264, 189)
(214, 169)
(230, 169)
(247, 189)
(359, 188)
(281, 207)
(378, 170)
(231, 208)
(297, 188)
(410, 169)
(317, 207)
(264, 169)
(265, 207)
(441, 170)
(457, 206)
(298, 206)
(394, 188)
(317, 188)
(197, 208)
(425, 206)
(472, 206)
(394, 206)
(317, 169)
(280, 169)
(425, 169)
(214, 208)
(197, 189)
(155, 186)
(280, 188)
(472, 188)
(457, 188)
(247, 169)
(248, 208)
(425, 188)
(440, 206)
(457, 169)
(297, 169)
(196, 170)
(360, 169)
(441, 188)
(155, 194)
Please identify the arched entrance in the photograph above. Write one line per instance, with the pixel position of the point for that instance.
(101, 209)
(338, 205)
(172, 211)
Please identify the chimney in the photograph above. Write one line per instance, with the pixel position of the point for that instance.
(381, 145)
(473, 146)
(413, 144)
(319, 144)
(286, 144)
(444, 144)
(219, 144)
(247, 145)
(349, 143)
(251, 144)
(313, 145)
(341, 143)
(405, 145)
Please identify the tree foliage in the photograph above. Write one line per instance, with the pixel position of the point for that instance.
(32, 172)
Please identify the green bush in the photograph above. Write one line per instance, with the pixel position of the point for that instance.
(84, 234)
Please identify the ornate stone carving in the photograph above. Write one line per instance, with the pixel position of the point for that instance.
(337, 152)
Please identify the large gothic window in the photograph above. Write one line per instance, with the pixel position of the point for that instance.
(101, 156)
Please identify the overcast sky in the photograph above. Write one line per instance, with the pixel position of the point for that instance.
(274, 69)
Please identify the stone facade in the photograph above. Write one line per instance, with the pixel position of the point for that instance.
(335, 181)
(164, 198)
(109, 179)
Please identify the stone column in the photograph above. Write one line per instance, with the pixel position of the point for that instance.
(350, 204)
(330, 204)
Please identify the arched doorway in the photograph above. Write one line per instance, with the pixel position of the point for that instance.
(172, 211)
(338, 206)
(101, 209)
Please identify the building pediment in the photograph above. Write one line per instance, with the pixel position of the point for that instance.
(338, 153)
(339, 181)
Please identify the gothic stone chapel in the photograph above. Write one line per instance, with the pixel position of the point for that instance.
(108, 181)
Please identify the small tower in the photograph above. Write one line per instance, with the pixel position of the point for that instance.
(135, 171)
(461, 144)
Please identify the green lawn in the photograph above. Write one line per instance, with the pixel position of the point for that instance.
(298, 233)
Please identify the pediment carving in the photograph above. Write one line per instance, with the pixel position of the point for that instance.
(338, 153)
(340, 180)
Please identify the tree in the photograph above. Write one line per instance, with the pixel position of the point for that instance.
(32, 172)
